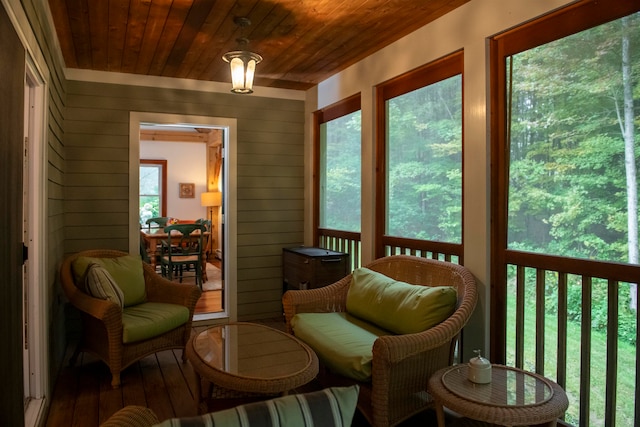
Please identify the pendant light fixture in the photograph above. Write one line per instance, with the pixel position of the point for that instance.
(242, 62)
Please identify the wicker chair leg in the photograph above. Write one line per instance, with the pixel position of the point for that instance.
(74, 356)
(115, 379)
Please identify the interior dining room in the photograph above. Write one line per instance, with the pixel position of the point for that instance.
(181, 182)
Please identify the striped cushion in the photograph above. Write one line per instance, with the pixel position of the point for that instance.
(126, 270)
(100, 284)
(331, 407)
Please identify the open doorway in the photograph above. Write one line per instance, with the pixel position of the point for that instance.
(181, 181)
(197, 152)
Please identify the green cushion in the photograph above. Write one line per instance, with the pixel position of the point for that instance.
(125, 270)
(150, 319)
(331, 407)
(99, 284)
(342, 342)
(397, 306)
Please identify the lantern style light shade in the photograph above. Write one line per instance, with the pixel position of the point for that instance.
(243, 68)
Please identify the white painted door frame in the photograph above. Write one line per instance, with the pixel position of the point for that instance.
(229, 193)
(35, 215)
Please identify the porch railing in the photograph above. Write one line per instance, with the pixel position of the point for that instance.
(558, 327)
(342, 241)
(442, 251)
(349, 242)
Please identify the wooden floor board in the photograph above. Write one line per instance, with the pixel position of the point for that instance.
(157, 396)
(209, 302)
(176, 385)
(86, 410)
(133, 387)
(83, 395)
(65, 392)
(110, 399)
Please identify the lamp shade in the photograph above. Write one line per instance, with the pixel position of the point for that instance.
(243, 68)
(211, 198)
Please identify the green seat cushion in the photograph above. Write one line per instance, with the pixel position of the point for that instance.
(331, 407)
(399, 307)
(342, 342)
(126, 272)
(150, 319)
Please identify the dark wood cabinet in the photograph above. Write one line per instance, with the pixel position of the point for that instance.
(308, 267)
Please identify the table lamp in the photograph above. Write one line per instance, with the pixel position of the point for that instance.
(211, 199)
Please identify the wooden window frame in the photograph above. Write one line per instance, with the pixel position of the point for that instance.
(569, 20)
(163, 187)
(339, 109)
(433, 72)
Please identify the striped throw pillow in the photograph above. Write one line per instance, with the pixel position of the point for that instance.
(331, 407)
(100, 284)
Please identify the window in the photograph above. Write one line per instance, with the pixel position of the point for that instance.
(565, 205)
(340, 171)
(338, 166)
(153, 189)
(337, 176)
(420, 182)
(573, 155)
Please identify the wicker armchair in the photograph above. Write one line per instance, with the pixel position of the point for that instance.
(102, 319)
(132, 416)
(402, 364)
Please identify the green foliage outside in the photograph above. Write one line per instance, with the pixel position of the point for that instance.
(149, 208)
(340, 167)
(568, 188)
(424, 166)
(424, 163)
(625, 384)
(149, 193)
(573, 192)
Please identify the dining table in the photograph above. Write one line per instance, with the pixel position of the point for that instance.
(153, 236)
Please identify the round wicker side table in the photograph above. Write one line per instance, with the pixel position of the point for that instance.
(513, 397)
(248, 360)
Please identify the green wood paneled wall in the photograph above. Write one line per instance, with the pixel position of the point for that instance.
(55, 89)
(270, 172)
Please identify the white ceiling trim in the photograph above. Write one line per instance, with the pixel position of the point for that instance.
(174, 83)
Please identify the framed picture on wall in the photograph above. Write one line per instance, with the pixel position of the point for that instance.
(187, 190)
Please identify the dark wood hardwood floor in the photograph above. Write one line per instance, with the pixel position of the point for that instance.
(83, 396)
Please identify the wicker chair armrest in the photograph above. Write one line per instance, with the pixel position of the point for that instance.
(328, 299)
(401, 366)
(102, 309)
(396, 348)
(160, 289)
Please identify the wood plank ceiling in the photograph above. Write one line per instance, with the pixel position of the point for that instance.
(302, 41)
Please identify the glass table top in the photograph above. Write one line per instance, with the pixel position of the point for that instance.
(251, 350)
(508, 387)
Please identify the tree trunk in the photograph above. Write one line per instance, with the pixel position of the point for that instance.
(630, 159)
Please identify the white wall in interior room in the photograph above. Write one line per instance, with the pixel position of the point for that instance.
(186, 163)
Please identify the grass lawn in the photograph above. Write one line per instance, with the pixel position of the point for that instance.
(625, 384)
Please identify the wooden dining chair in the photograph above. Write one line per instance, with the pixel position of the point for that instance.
(160, 221)
(182, 251)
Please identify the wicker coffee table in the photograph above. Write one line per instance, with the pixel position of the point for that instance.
(248, 360)
(513, 398)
